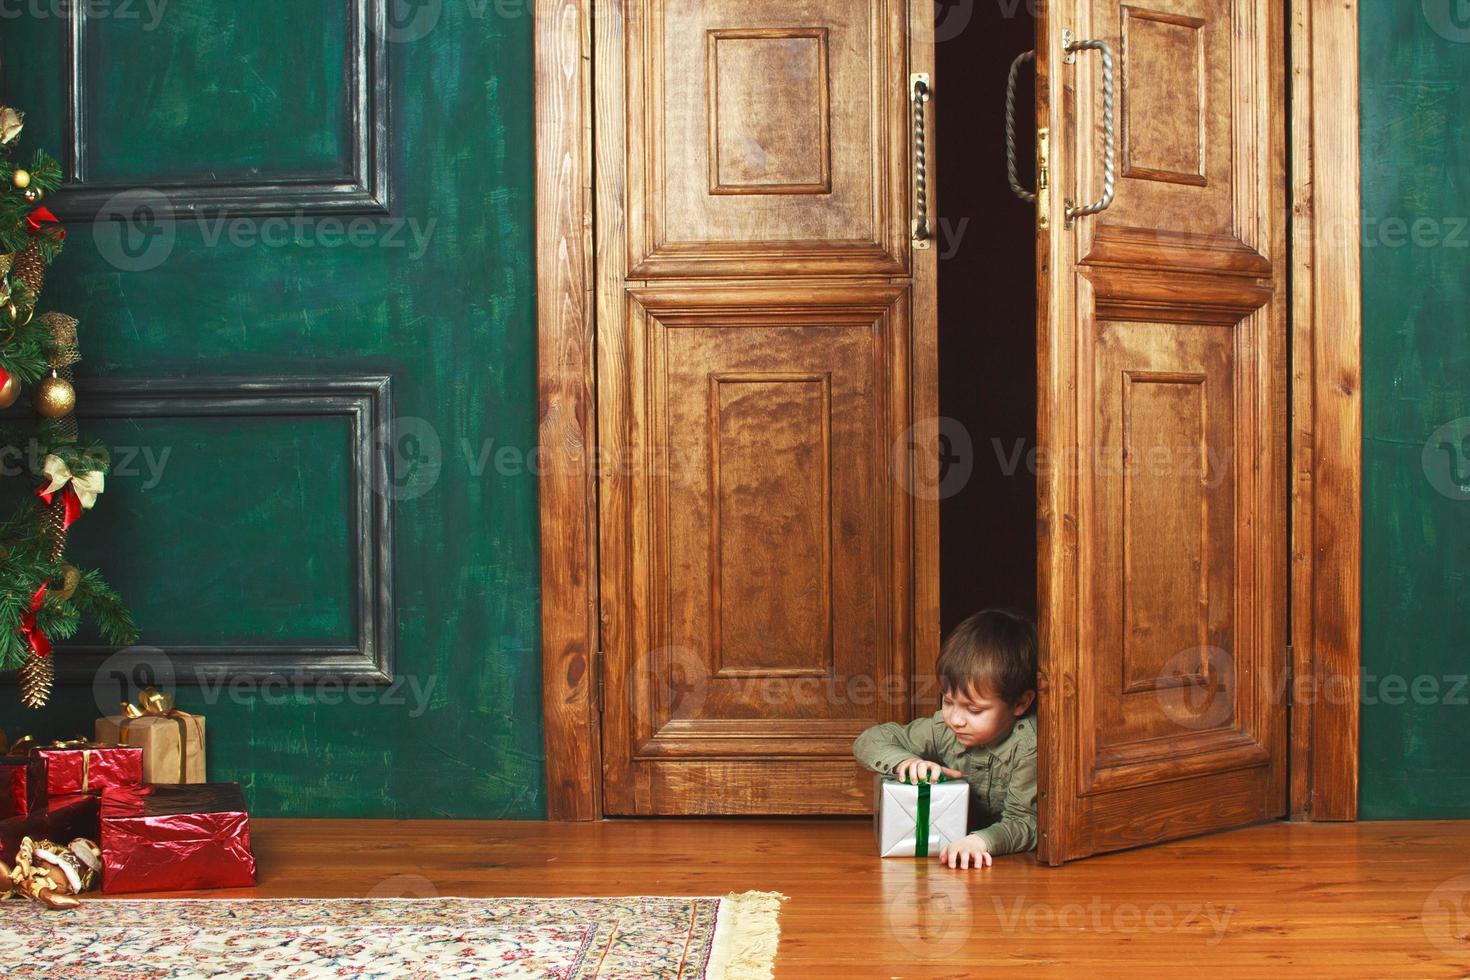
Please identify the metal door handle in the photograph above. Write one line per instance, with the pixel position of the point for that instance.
(1028, 196)
(1071, 46)
(919, 93)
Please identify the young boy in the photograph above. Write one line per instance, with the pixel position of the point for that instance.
(985, 731)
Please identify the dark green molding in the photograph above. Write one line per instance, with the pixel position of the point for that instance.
(239, 540)
(1415, 86)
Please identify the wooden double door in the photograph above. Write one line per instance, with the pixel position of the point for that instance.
(767, 402)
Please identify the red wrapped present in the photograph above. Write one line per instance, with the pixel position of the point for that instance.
(162, 837)
(63, 819)
(22, 785)
(22, 778)
(80, 766)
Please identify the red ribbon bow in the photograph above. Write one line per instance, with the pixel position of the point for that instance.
(70, 502)
(40, 645)
(43, 216)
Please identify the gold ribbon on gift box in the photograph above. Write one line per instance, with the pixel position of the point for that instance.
(21, 746)
(153, 703)
(27, 745)
(86, 745)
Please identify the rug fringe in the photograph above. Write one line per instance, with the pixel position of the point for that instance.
(746, 936)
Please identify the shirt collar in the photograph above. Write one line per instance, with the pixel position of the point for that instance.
(1012, 737)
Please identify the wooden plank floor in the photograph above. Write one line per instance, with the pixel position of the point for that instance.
(1338, 900)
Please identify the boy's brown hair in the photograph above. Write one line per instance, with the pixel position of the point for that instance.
(992, 652)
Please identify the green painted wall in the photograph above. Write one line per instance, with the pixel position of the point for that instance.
(1415, 65)
(237, 540)
(242, 535)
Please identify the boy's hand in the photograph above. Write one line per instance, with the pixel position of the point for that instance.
(923, 771)
(967, 852)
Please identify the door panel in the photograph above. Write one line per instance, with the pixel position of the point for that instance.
(766, 588)
(1163, 375)
(765, 348)
(772, 137)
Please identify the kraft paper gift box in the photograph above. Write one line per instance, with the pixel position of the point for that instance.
(917, 820)
(175, 838)
(87, 767)
(172, 744)
(62, 819)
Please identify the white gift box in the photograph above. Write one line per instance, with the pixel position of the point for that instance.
(918, 820)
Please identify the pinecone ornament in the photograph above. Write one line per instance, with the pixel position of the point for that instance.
(30, 268)
(37, 675)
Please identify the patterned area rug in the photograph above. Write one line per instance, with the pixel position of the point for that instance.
(730, 938)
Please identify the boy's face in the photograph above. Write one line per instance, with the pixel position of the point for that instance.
(980, 718)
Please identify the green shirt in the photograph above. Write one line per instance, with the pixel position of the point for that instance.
(1002, 776)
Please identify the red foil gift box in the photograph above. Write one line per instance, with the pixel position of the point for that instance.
(90, 767)
(22, 785)
(63, 819)
(163, 837)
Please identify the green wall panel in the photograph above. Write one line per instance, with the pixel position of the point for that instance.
(1415, 83)
(197, 591)
(439, 296)
(227, 90)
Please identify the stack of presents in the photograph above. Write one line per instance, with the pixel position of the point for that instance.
(127, 811)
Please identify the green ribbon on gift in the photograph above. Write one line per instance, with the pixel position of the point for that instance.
(921, 831)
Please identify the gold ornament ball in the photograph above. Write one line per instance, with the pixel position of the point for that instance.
(21, 179)
(9, 392)
(55, 398)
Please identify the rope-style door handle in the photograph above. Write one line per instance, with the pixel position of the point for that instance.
(919, 93)
(1071, 46)
(1028, 196)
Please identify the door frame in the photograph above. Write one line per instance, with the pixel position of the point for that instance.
(1325, 398)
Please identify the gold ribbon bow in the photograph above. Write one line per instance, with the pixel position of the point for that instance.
(153, 703)
(26, 745)
(87, 486)
(21, 746)
(75, 743)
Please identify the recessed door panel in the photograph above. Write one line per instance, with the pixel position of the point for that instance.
(767, 137)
